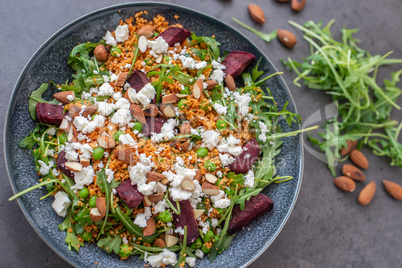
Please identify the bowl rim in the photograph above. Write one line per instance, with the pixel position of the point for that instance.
(126, 5)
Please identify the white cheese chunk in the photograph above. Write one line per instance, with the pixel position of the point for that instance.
(61, 203)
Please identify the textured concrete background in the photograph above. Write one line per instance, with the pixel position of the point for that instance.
(327, 228)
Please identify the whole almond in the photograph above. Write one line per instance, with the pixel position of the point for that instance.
(89, 111)
(359, 159)
(150, 228)
(63, 96)
(138, 113)
(211, 84)
(345, 184)
(367, 194)
(155, 197)
(159, 242)
(101, 53)
(230, 83)
(101, 205)
(287, 38)
(171, 98)
(154, 176)
(146, 30)
(353, 172)
(198, 175)
(256, 13)
(298, 5)
(73, 111)
(393, 189)
(350, 145)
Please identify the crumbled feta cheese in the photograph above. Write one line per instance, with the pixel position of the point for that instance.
(121, 117)
(70, 97)
(218, 76)
(249, 179)
(264, 130)
(214, 222)
(159, 207)
(147, 189)
(123, 104)
(217, 197)
(105, 90)
(217, 65)
(190, 261)
(200, 65)
(61, 203)
(51, 131)
(110, 39)
(158, 46)
(148, 90)
(188, 62)
(124, 240)
(199, 253)
(179, 230)
(219, 174)
(167, 131)
(44, 169)
(55, 172)
(211, 139)
(220, 109)
(105, 79)
(121, 33)
(117, 96)
(138, 172)
(229, 145)
(113, 77)
(169, 257)
(242, 102)
(226, 159)
(155, 260)
(109, 174)
(222, 203)
(141, 219)
(144, 96)
(127, 139)
(105, 108)
(85, 95)
(71, 155)
(84, 177)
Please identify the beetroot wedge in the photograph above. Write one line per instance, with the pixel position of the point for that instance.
(175, 35)
(237, 61)
(50, 114)
(129, 194)
(255, 207)
(246, 159)
(154, 125)
(61, 161)
(186, 218)
(137, 80)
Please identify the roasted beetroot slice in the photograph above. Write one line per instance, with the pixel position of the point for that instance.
(175, 35)
(50, 114)
(254, 208)
(237, 61)
(137, 80)
(186, 218)
(154, 125)
(61, 160)
(129, 194)
(246, 159)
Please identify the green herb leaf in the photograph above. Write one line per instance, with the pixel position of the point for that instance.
(71, 238)
(263, 36)
(109, 244)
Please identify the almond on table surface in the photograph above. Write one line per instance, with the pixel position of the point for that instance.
(256, 13)
(350, 145)
(393, 189)
(359, 159)
(287, 38)
(345, 184)
(353, 172)
(298, 5)
(367, 194)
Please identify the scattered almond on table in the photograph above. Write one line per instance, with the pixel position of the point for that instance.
(287, 38)
(256, 13)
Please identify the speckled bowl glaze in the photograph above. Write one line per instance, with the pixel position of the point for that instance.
(50, 62)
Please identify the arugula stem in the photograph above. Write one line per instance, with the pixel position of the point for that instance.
(288, 134)
(32, 188)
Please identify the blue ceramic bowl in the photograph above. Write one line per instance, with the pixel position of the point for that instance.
(50, 62)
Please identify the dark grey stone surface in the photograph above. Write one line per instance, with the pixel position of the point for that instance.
(327, 228)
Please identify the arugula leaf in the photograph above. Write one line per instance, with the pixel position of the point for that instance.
(246, 196)
(110, 244)
(27, 142)
(213, 45)
(71, 238)
(348, 73)
(36, 97)
(266, 37)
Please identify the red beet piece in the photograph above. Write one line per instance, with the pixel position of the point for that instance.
(186, 218)
(50, 114)
(236, 61)
(137, 80)
(175, 35)
(61, 160)
(254, 208)
(129, 194)
(246, 159)
(154, 125)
